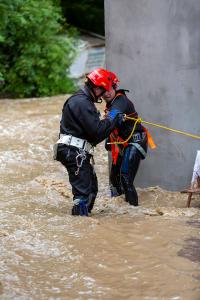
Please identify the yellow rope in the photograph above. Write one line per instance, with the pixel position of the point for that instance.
(166, 128)
(139, 120)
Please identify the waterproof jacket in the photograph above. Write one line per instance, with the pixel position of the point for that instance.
(121, 104)
(81, 119)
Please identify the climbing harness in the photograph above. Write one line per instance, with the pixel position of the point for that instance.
(129, 137)
(81, 156)
(69, 140)
(79, 143)
(118, 140)
(125, 142)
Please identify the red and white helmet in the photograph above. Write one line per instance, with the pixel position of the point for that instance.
(103, 78)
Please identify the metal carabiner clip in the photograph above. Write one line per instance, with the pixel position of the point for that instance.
(81, 156)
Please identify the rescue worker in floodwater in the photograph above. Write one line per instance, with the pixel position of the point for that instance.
(126, 156)
(80, 131)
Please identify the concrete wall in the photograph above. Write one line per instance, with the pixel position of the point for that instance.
(154, 47)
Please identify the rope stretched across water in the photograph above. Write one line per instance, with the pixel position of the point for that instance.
(139, 120)
(165, 127)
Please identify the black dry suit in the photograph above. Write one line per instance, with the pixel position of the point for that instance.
(80, 119)
(125, 165)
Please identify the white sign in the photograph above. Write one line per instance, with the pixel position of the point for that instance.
(196, 170)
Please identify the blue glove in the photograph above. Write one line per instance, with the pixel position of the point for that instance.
(115, 113)
(112, 114)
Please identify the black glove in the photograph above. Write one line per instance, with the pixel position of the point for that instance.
(121, 118)
(117, 116)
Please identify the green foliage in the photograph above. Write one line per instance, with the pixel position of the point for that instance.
(35, 52)
(86, 14)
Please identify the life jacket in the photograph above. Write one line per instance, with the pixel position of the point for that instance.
(117, 149)
(114, 137)
(150, 140)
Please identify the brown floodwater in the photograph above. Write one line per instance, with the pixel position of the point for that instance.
(149, 252)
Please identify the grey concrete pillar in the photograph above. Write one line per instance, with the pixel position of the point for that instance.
(154, 47)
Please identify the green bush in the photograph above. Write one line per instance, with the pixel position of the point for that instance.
(35, 50)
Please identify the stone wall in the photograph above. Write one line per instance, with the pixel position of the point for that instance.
(154, 47)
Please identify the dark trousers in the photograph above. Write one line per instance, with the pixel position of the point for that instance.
(84, 184)
(122, 174)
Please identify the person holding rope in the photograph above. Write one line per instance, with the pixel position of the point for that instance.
(127, 143)
(80, 131)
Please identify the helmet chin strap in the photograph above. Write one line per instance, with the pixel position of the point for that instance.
(91, 90)
(97, 99)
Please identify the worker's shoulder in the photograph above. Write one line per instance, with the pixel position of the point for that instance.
(78, 97)
(120, 97)
(121, 94)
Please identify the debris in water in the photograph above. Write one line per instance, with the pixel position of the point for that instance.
(158, 210)
(58, 185)
(3, 233)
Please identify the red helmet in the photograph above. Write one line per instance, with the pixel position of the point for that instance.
(103, 78)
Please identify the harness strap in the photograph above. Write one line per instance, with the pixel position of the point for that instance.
(116, 149)
(150, 140)
(139, 148)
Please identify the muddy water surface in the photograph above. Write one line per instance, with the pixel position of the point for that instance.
(121, 252)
